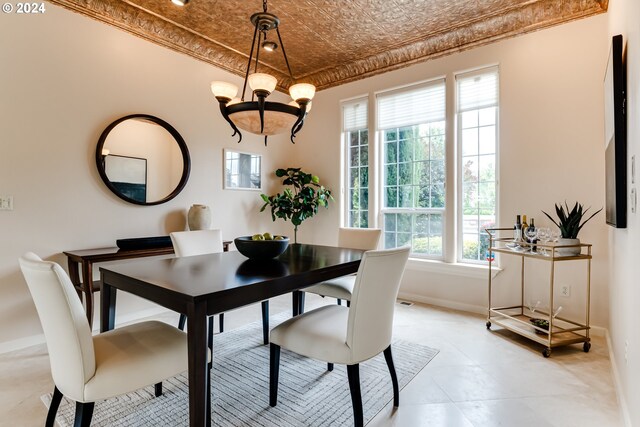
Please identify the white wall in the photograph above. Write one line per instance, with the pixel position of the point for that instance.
(624, 244)
(551, 150)
(63, 79)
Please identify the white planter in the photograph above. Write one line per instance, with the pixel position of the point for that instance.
(568, 251)
(199, 217)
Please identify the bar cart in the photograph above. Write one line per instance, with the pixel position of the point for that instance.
(550, 330)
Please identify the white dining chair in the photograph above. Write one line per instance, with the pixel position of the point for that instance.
(341, 288)
(87, 369)
(348, 335)
(201, 242)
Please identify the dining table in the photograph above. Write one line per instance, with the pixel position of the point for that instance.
(205, 285)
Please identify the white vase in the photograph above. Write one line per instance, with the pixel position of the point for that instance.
(568, 251)
(199, 217)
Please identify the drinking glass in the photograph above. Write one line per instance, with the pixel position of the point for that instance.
(544, 234)
(531, 234)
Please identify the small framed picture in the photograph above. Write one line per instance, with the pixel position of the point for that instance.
(242, 171)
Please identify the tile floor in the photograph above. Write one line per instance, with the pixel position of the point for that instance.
(479, 378)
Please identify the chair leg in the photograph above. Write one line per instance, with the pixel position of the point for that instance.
(265, 322)
(221, 322)
(353, 372)
(84, 412)
(348, 303)
(158, 389)
(339, 301)
(274, 370)
(53, 408)
(329, 367)
(182, 322)
(394, 377)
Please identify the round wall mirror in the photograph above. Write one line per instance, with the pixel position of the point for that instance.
(143, 159)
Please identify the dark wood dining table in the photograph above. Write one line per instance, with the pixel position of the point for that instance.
(204, 285)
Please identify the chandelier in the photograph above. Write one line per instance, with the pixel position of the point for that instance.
(259, 116)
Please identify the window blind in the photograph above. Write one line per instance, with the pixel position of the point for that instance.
(354, 115)
(412, 106)
(477, 90)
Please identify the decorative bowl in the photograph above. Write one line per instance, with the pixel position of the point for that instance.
(261, 249)
(541, 323)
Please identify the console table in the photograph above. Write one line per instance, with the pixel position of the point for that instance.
(83, 260)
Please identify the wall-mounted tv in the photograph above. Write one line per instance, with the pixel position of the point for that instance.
(615, 125)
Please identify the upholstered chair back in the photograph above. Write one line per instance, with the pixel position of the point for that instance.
(359, 238)
(197, 242)
(64, 322)
(372, 304)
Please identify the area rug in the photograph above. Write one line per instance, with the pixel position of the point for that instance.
(308, 394)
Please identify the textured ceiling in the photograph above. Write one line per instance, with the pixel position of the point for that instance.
(330, 42)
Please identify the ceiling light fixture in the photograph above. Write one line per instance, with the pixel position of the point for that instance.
(180, 2)
(263, 117)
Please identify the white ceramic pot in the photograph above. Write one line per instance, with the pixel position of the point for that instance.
(568, 251)
(199, 217)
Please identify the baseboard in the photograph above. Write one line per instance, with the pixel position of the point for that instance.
(624, 410)
(22, 343)
(454, 305)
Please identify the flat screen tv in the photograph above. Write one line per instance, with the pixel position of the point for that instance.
(615, 125)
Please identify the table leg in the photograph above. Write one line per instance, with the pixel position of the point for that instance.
(74, 275)
(198, 366)
(87, 288)
(107, 308)
(295, 303)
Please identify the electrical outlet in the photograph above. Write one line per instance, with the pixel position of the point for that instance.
(6, 203)
(565, 290)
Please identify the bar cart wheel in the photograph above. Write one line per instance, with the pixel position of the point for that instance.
(586, 347)
(488, 324)
(546, 352)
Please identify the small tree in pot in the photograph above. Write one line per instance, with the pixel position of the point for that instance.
(299, 202)
(569, 223)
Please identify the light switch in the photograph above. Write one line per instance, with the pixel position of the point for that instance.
(634, 200)
(6, 203)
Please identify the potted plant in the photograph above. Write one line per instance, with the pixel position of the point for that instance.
(299, 202)
(570, 223)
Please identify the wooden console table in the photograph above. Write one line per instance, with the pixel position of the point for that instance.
(83, 260)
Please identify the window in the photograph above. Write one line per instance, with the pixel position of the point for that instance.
(356, 140)
(411, 124)
(477, 117)
(433, 184)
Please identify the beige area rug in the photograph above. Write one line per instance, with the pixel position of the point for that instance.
(308, 394)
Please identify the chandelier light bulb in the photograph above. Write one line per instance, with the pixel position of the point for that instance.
(269, 46)
(302, 91)
(262, 82)
(224, 90)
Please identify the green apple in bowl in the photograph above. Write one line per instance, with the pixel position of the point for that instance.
(267, 236)
(257, 237)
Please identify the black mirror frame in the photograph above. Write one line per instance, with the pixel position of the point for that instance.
(186, 160)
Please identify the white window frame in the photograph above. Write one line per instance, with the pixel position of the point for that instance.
(458, 161)
(345, 150)
(379, 168)
(452, 213)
